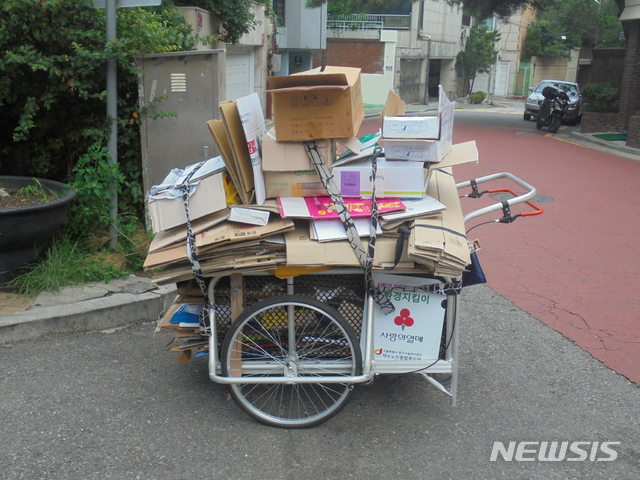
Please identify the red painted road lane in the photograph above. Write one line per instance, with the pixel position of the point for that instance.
(576, 267)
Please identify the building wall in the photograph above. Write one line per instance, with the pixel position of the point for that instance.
(501, 80)
(366, 54)
(630, 88)
(607, 66)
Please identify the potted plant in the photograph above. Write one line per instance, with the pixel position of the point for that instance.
(31, 210)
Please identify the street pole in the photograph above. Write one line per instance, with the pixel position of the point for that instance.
(112, 115)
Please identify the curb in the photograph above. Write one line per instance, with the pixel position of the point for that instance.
(118, 310)
(604, 143)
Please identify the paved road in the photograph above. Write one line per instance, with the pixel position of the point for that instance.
(577, 267)
(118, 405)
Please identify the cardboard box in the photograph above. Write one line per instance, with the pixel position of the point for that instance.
(317, 104)
(304, 183)
(209, 197)
(288, 171)
(278, 156)
(413, 150)
(393, 179)
(420, 150)
(424, 127)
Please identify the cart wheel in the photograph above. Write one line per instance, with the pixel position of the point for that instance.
(322, 343)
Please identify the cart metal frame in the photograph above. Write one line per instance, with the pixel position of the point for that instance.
(447, 366)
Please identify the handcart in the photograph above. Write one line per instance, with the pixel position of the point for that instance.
(292, 349)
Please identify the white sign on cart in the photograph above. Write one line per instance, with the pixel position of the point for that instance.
(411, 335)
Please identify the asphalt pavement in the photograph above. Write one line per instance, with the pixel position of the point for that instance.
(116, 404)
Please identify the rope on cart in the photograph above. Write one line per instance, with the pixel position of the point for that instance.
(365, 258)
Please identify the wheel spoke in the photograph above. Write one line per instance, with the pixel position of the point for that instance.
(321, 340)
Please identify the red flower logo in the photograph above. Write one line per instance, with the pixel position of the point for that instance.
(404, 319)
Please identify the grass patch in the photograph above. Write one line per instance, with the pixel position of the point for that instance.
(611, 136)
(70, 261)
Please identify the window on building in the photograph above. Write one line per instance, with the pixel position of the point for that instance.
(278, 8)
(489, 24)
(403, 7)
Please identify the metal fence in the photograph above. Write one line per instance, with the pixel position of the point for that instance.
(368, 22)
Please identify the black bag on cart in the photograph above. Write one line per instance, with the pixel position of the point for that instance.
(474, 275)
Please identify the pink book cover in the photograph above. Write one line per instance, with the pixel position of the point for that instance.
(323, 207)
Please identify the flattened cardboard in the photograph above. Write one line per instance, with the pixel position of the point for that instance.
(220, 136)
(459, 154)
(229, 232)
(415, 208)
(209, 197)
(441, 240)
(302, 250)
(170, 238)
(238, 142)
(314, 104)
(254, 127)
(250, 216)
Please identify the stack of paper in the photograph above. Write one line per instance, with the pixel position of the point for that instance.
(181, 319)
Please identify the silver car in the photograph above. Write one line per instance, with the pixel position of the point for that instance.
(535, 98)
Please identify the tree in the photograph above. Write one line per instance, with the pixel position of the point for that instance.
(504, 8)
(53, 80)
(477, 57)
(234, 15)
(571, 24)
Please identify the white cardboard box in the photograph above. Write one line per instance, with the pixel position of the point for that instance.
(421, 150)
(396, 179)
(427, 127)
(413, 150)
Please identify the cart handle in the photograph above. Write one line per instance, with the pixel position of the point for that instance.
(504, 205)
(536, 209)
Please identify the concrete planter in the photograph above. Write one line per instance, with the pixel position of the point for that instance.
(26, 231)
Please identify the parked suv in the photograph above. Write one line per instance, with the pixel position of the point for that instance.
(535, 98)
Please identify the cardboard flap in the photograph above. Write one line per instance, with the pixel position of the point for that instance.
(219, 134)
(238, 142)
(394, 106)
(178, 235)
(322, 80)
(460, 153)
(352, 73)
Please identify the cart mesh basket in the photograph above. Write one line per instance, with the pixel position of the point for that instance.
(345, 293)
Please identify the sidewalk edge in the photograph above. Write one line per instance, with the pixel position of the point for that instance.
(113, 311)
